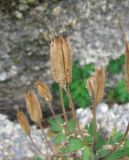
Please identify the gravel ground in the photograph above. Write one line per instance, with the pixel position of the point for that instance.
(14, 145)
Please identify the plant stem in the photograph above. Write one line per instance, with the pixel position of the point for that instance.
(31, 139)
(118, 145)
(45, 137)
(62, 105)
(54, 116)
(94, 124)
(71, 105)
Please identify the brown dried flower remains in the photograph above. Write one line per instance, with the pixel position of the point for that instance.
(127, 65)
(33, 106)
(95, 85)
(44, 91)
(90, 85)
(61, 60)
(23, 122)
(126, 54)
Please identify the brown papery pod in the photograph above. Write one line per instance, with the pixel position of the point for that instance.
(61, 60)
(127, 66)
(33, 106)
(100, 84)
(23, 122)
(44, 91)
(91, 86)
(126, 54)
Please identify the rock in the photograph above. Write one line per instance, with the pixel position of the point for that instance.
(31, 1)
(18, 15)
(115, 117)
(102, 108)
(3, 76)
(23, 7)
(24, 54)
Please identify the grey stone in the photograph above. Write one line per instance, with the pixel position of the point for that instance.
(24, 54)
(18, 15)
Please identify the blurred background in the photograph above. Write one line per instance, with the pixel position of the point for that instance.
(24, 58)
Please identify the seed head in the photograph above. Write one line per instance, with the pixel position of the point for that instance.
(127, 66)
(23, 122)
(100, 84)
(61, 60)
(126, 54)
(33, 106)
(91, 86)
(44, 91)
(95, 85)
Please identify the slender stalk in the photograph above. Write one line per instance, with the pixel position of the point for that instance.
(52, 110)
(118, 145)
(54, 116)
(31, 139)
(62, 105)
(94, 124)
(71, 105)
(45, 137)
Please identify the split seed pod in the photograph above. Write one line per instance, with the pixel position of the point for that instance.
(127, 66)
(44, 91)
(33, 106)
(23, 122)
(91, 86)
(61, 60)
(126, 54)
(100, 84)
(95, 85)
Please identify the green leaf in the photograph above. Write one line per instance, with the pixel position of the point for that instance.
(54, 125)
(119, 92)
(115, 138)
(71, 125)
(121, 153)
(74, 144)
(100, 141)
(60, 138)
(63, 150)
(116, 66)
(37, 158)
(90, 129)
(86, 154)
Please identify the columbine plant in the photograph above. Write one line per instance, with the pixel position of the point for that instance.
(71, 140)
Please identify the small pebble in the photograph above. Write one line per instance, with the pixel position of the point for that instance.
(18, 15)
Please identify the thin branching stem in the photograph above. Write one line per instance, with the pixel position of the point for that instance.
(62, 105)
(45, 137)
(71, 105)
(31, 139)
(94, 124)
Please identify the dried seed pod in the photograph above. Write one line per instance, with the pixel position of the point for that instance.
(127, 66)
(100, 84)
(91, 86)
(23, 122)
(126, 54)
(61, 60)
(44, 91)
(33, 106)
(95, 85)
